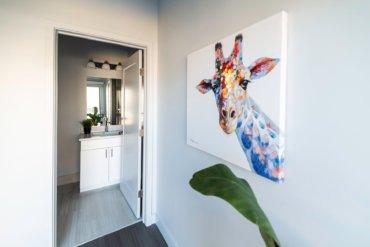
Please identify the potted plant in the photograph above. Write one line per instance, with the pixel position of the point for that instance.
(87, 123)
(95, 117)
(220, 181)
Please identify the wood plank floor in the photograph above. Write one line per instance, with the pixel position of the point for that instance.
(136, 235)
(83, 217)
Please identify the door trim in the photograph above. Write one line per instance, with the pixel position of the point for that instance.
(150, 111)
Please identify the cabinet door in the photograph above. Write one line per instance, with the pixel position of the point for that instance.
(94, 169)
(115, 159)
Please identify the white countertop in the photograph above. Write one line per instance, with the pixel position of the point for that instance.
(89, 137)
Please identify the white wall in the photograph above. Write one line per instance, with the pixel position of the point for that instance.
(72, 59)
(325, 200)
(26, 31)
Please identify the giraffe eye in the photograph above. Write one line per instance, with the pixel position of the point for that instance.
(215, 86)
(232, 115)
(244, 83)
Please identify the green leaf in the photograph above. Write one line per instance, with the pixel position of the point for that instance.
(220, 181)
(87, 122)
(94, 118)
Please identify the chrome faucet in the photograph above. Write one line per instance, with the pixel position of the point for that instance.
(105, 121)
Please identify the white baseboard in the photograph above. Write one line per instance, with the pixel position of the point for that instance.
(68, 179)
(166, 233)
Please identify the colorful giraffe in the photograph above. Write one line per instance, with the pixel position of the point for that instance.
(257, 134)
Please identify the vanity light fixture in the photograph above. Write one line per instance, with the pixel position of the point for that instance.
(105, 65)
(119, 67)
(91, 64)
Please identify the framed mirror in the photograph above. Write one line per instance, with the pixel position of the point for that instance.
(103, 99)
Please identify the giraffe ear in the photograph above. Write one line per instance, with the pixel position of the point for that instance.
(204, 86)
(262, 67)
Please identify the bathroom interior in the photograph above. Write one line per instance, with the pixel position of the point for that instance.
(100, 123)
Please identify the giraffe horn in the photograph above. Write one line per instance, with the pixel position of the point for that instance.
(237, 50)
(219, 55)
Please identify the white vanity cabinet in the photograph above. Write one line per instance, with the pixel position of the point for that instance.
(114, 166)
(101, 159)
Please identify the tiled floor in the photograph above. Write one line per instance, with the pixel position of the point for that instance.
(83, 217)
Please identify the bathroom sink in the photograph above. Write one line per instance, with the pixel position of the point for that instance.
(109, 133)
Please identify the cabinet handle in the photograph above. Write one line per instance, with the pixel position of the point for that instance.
(111, 152)
(106, 153)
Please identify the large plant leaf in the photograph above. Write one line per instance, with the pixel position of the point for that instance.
(220, 181)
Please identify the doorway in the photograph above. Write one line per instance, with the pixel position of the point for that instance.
(118, 96)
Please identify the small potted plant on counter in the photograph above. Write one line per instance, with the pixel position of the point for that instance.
(95, 117)
(87, 123)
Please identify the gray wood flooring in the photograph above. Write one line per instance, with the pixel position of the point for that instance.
(136, 235)
(83, 217)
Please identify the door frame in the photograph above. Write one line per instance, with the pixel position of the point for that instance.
(149, 179)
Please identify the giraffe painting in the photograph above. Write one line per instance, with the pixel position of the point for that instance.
(238, 114)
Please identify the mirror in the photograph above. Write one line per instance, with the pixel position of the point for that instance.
(103, 98)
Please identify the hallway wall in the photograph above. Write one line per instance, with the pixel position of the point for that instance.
(26, 31)
(324, 201)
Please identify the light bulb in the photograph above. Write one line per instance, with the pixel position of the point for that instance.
(91, 64)
(106, 65)
(119, 67)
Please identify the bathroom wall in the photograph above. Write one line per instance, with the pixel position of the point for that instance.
(325, 199)
(26, 86)
(73, 54)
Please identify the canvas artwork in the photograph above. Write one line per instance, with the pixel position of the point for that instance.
(236, 98)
